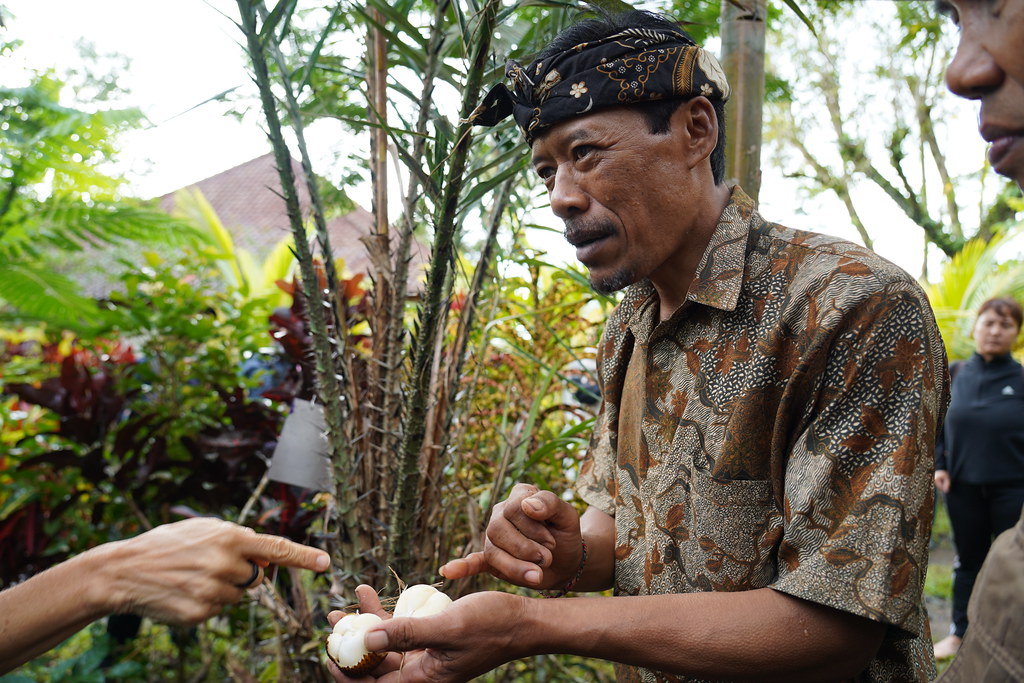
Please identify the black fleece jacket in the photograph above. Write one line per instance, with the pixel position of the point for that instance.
(982, 441)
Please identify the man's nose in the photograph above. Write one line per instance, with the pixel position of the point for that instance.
(973, 72)
(567, 197)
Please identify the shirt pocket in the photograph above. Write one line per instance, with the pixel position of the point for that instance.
(737, 531)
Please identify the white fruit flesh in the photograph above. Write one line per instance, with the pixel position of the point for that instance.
(421, 600)
(345, 644)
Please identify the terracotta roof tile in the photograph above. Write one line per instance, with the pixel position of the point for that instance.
(248, 200)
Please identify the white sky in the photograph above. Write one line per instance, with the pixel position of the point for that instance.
(187, 51)
(182, 53)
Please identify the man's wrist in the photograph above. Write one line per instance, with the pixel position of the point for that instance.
(535, 626)
(574, 579)
(98, 571)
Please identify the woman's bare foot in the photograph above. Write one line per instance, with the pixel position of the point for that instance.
(947, 647)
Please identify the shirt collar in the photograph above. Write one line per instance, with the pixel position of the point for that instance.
(996, 360)
(719, 278)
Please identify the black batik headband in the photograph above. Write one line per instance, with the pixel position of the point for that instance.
(635, 65)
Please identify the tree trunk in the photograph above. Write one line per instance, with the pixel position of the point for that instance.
(743, 32)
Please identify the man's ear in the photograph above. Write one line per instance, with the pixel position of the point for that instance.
(697, 120)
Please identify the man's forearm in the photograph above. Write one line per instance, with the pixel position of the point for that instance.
(759, 635)
(41, 612)
(598, 531)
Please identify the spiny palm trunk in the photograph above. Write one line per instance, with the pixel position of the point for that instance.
(433, 311)
(328, 356)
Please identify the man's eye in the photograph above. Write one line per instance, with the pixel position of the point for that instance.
(545, 172)
(582, 151)
(946, 8)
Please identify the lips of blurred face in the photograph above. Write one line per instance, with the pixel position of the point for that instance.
(1006, 153)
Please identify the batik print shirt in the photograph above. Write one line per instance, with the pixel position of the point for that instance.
(777, 430)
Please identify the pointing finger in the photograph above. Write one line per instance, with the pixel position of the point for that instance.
(460, 568)
(281, 551)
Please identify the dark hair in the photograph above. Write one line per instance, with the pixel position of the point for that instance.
(1004, 306)
(658, 113)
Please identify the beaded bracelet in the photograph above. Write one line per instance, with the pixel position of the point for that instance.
(572, 582)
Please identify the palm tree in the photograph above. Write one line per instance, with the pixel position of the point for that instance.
(968, 279)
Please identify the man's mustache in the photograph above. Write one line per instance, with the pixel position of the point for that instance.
(582, 230)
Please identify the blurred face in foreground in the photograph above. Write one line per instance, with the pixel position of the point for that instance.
(989, 67)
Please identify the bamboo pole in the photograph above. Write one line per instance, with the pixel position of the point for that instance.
(743, 37)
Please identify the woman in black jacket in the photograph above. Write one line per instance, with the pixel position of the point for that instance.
(979, 459)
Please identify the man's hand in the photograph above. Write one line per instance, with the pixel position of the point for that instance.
(472, 636)
(182, 573)
(533, 540)
(185, 572)
(481, 631)
(942, 480)
(368, 602)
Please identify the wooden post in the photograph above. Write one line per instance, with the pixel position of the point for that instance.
(377, 75)
(743, 33)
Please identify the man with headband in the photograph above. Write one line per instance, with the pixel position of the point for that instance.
(759, 479)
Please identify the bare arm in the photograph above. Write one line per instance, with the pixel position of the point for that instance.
(39, 613)
(533, 540)
(181, 573)
(761, 635)
(758, 635)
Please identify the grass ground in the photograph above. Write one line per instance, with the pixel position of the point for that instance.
(938, 587)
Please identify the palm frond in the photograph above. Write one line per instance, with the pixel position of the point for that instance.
(968, 279)
(70, 224)
(38, 293)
